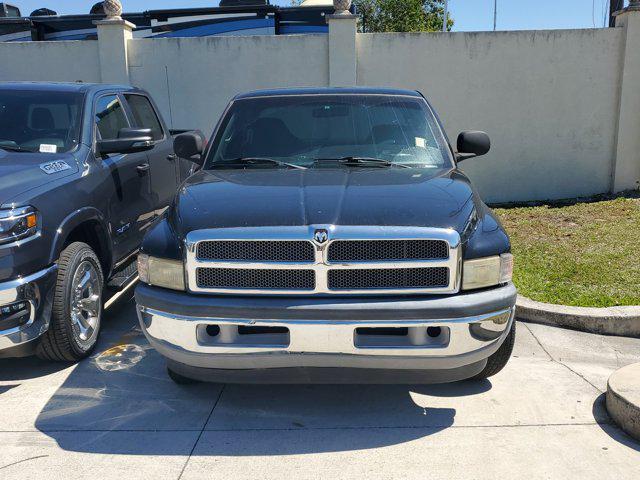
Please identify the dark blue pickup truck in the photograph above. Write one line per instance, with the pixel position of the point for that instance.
(329, 237)
(85, 170)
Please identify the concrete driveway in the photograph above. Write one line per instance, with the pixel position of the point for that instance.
(117, 415)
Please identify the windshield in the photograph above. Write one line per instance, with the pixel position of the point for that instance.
(37, 121)
(309, 130)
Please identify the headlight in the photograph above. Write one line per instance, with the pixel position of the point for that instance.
(161, 272)
(487, 271)
(18, 223)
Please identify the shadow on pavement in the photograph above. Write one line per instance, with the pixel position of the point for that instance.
(608, 426)
(6, 388)
(29, 367)
(123, 389)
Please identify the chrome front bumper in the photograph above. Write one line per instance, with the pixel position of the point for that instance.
(325, 343)
(330, 342)
(37, 289)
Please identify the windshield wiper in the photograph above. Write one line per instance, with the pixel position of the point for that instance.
(11, 148)
(361, 161)
(241, 161)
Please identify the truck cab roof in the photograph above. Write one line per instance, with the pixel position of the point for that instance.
(66, 86)
(328, 91)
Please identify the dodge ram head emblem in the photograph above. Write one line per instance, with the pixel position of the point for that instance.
(321, 236)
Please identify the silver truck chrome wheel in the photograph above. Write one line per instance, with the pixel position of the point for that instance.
(86, 303)
(77, 306)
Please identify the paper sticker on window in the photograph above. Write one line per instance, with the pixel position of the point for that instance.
(46, 148)
(421, 142)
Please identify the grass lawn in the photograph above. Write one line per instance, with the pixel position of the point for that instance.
(584, 254)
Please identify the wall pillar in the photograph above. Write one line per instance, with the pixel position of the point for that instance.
(113, 37)
(342, 49)
(626, 171)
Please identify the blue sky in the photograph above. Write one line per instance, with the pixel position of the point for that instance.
(469, 15)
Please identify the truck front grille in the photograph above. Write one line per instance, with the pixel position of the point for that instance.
(353, 260)
(387, 250)
(256, 251)
(245, 278)
(388, 278)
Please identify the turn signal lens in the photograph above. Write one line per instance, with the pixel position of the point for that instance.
(506, 267)
(143, 268)
(32, 220)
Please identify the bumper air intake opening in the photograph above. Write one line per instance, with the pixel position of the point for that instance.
(14, 315)
(401, 337)
(245, 330)
(242, 336)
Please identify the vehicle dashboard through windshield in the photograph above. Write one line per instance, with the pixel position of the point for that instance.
(39, 121)
(321, 130)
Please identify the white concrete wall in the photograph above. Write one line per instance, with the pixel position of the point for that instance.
(547, 99)
(627, 169)
(550, 100)
(65, 61)
(193, 79)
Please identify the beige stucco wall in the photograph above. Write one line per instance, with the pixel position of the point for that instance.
(193, 79)
(65, 61)
(548, 100)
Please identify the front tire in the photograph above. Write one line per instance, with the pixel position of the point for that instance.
(77, 306)
(180, 379)
(497, 361)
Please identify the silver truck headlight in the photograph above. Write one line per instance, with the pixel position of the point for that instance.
(161, 272)
(18, 223)
(487, 271)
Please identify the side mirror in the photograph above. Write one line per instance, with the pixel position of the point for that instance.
(189, 146)
(130, 140)
(472, 143)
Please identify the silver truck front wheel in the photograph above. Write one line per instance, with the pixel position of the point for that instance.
(86, 304)
(77, 306)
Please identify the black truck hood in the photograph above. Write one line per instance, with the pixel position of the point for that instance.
(321, 196)
(21, 171)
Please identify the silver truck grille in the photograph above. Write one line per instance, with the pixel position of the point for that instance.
(245, 278)
(389, 278)
(257, 251)
(372, 250)
(323, 259)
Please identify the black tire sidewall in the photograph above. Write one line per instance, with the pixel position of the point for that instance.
(499, 359)
(77, 254)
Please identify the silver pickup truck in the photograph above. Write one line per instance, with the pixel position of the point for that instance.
(328, 237)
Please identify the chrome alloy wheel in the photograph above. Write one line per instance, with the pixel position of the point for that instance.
(86, 304)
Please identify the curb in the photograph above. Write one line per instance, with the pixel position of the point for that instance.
(623, 399)
(620, 321)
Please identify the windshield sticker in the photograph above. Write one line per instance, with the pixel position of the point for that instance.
(54, 167)
(421, 142)
(46, 148)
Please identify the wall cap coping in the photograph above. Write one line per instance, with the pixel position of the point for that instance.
(340, 16)
(115, 21)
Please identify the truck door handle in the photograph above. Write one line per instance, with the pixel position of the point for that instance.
(142, 168)
(172, 157)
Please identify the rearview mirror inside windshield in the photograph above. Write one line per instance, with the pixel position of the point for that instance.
(331, 111)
